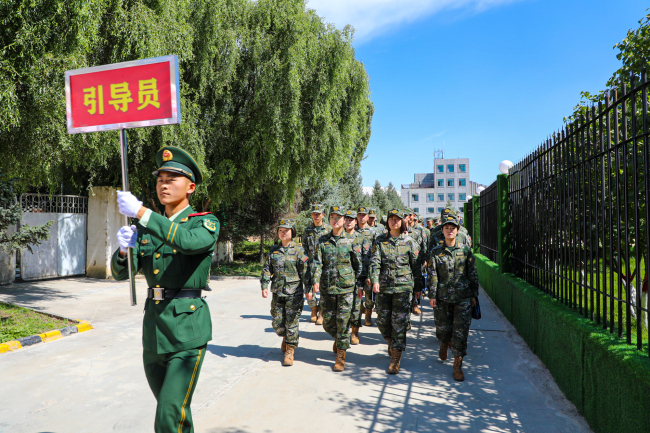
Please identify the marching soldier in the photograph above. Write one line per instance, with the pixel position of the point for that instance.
(174, 251)
(418, 236)
(286, 267)
(336, 270)
(453, 290)
(393, 265)
(437, 237)
(316, 229)
(364, 243)
(364, 228)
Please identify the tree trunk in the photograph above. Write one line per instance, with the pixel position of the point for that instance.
(262, 248)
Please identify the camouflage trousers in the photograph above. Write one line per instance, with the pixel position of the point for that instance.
(355, 315)
(285, 313)
(313, 302)
(337, 310)
(394, 317)
(370, 304)
(452, 324)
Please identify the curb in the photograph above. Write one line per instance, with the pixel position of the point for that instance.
(81, 326)
(233, 277)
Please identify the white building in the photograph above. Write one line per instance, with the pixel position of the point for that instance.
(449, 181)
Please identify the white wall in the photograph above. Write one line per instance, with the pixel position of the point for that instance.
(8, 262)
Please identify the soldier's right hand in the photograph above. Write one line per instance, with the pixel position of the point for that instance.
(316, 287)
(126, 238)
(433, 303)
(375, 287)
(265, 293)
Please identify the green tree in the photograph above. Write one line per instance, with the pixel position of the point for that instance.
(10, 214)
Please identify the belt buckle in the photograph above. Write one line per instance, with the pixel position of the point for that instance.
(158, 294)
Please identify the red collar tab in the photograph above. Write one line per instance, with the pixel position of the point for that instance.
(199, 214)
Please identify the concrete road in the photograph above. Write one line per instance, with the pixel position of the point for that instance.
(94, 381)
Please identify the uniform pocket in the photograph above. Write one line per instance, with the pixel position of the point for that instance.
(188, 314)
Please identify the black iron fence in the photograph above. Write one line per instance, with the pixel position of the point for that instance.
(468, 218)
(489, 240)
(580, 211)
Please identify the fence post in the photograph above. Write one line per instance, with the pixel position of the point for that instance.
(503, 223)
(469, 225)
(476, 221)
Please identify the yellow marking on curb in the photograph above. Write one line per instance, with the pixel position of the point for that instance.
(84, 326)
(9, 346)
(50, 336)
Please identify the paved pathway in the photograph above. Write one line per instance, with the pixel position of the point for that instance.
(94, 382)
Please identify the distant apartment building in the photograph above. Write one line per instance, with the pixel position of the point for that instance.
(449, 182)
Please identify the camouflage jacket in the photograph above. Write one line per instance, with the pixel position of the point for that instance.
(378, 229)
(286, 268)
(309, 240)
(393, 263)
(452, 274)
(365, 244)
(337, 264)
(437, 238)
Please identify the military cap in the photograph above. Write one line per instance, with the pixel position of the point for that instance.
(451, 219)
(372, 212)
(362, 209)
(286, 223)
(175, 159)
(337, 210)
(447, 212)
(350, 213)
(417, 215)
(398, 212)
(429, 219)
(317, 208)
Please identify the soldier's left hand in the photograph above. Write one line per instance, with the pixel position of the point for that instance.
(360, 294)
(375, 287)
(309, 296)
(128, 205)
(265, 293)
(473, 301)
(368, 282)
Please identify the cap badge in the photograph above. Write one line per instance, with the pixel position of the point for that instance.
(336, 208)
(348, 212)
(446, 210)
(167, 155)
(281, 221)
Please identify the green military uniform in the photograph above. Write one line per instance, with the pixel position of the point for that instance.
(438, 238)
(174, 254)
(309, 240)
(394, 262)
(364, 243)
(417, 233)
(337, 266)
(369, 232)
(453, 282)
(286, 268)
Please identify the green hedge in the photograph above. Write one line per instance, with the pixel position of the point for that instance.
(608, 381)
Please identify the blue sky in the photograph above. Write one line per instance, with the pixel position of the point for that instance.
(484, 79)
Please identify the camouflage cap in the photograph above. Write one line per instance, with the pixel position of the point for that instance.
(451, 219)
(317, 208)
(337, 210)
(286, 223)
(396, 212)
(350, 213)
(429, 219)
(362, 209)
(447, 212)
(372, 212)
(417, 215)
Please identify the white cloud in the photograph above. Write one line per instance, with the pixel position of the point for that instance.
(372, 17)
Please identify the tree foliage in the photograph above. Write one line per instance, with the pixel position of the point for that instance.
(10, 214)
(272, 98)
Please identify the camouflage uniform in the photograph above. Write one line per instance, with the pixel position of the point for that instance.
(309, 239)
(337, 266)
(438, 238)
(369, 234)
(286, 269)
(393, 264)
(419, 238)
(364, 243)
(453, 282)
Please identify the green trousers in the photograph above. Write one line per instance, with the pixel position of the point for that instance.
(172, 378)
(285, 314)
(355, 315)
(394, 317)
(370, 304)
(452, 324)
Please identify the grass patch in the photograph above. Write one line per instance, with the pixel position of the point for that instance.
(238, 269)
(21, 322)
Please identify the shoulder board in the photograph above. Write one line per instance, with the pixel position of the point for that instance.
(198, 214)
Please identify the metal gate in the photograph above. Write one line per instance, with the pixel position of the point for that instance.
(64, 253)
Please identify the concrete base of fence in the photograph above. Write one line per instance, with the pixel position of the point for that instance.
(608, 381)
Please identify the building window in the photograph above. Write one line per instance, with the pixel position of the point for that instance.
(450, 168)
(441, 169)
(450, 182)
(440, 209)
(431, 210)
(461, 182)
(416, 209)
(415, 197)
(451, 197)
(462, 196)
(441, 197)
(461, 168)
(431, 197)
(441, 182)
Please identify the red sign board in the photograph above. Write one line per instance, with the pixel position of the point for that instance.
(123, 95)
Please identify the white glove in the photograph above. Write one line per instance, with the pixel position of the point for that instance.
(126, 237)
(129, 205)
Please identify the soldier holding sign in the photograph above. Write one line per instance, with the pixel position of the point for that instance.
(174, 251)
